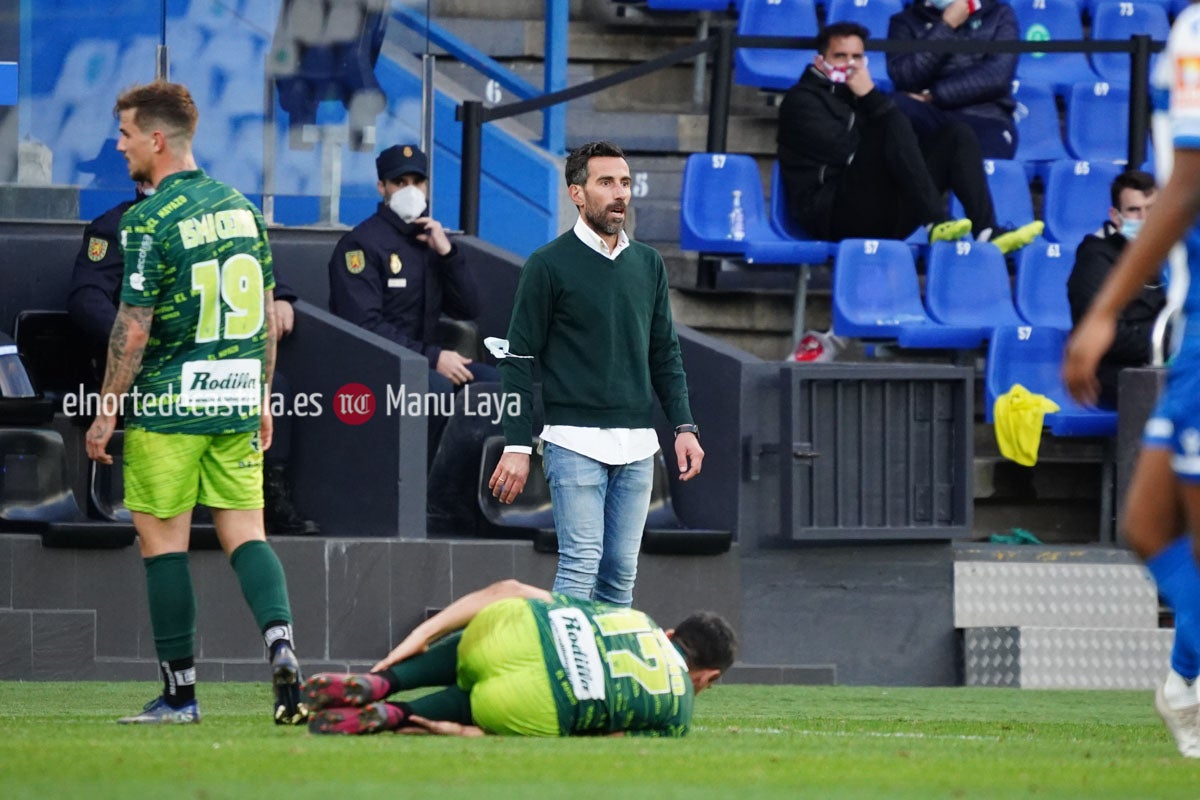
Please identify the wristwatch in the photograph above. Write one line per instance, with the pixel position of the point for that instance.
(687, 429)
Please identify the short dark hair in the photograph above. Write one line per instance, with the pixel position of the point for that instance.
(706, 640)
(163, 103)
(1134, 179)
(837, 30)
(577, 160)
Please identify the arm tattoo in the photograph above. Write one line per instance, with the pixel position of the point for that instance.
(126, 346)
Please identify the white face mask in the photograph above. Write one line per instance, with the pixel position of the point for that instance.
(408, 203)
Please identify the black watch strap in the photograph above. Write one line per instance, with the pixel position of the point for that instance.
(689, 428)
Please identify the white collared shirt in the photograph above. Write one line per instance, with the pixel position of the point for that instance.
(607, 445)
(596, 241)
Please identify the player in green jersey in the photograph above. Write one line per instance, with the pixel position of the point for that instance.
(515, 659)
(190, 360)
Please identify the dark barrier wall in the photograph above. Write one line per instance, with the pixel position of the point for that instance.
(35, 266)
(717, 375)
(1138, 391)
(355, 479)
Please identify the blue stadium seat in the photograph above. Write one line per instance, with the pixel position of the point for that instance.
(1032, 357)
(689, 5)
(1049, 20)
(135, 64)
(771, 68)
(1120, 20)
(1009, 186)
(1077, 199)
(220, 18)
(704, 214)
(967, 289)
(1172, 7)
(1041, 291)
(1097, 122)
(705, 201)
(874, 16)
(1039, 138)
(88, 70)
(876, 294)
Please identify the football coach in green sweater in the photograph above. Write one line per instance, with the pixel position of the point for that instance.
(592, 312)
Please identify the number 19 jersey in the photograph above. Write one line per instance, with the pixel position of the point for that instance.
(197, 252)
(612, 669)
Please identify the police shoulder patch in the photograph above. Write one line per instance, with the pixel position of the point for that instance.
(356, 260)
(97, 248)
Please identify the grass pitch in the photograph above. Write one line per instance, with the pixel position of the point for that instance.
(58, 740)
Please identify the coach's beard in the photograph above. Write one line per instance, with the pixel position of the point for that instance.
(606, 224)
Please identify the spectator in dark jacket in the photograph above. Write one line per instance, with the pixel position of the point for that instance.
(1133, 193)
(933, 89)
(853, 166)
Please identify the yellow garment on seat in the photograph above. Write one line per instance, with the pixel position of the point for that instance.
(1018, 415)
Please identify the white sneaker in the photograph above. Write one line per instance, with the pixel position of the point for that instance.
(1183, 723)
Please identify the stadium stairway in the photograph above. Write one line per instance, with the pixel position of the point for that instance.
(1058, 618)
(654, 118)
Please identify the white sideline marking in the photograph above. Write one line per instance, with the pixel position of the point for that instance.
(875, 734)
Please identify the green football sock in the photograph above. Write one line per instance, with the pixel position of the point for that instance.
(263, 583)
(451, 704)
(437, 666)
(172, 605)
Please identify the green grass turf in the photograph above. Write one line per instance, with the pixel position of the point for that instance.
(59, 740)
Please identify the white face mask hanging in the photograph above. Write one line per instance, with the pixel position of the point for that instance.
(408, 203)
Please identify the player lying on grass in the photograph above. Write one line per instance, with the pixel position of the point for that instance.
(515, 659)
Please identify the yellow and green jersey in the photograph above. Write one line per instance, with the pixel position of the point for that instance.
(612, 669)
(197, 252)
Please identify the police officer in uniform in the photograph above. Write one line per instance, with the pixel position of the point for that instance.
(397, 272)
(96, 277)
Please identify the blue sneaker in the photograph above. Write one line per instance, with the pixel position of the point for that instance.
(157, 712)
(285, 676)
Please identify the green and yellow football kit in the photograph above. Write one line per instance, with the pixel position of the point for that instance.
(571, 667)
(196, 251)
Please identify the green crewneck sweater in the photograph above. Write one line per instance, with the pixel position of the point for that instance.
(601, 334)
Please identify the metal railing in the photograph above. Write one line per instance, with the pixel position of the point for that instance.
(554, 121)
(721, 44)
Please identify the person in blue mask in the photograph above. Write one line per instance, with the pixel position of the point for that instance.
(1133, 193)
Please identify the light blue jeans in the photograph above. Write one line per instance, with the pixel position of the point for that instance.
(599, 514)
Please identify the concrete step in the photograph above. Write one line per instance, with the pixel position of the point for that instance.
(516, 38)
(1053, 522)
(997, 478)
(497, 9)
(1030, 657)
(1063, 591)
